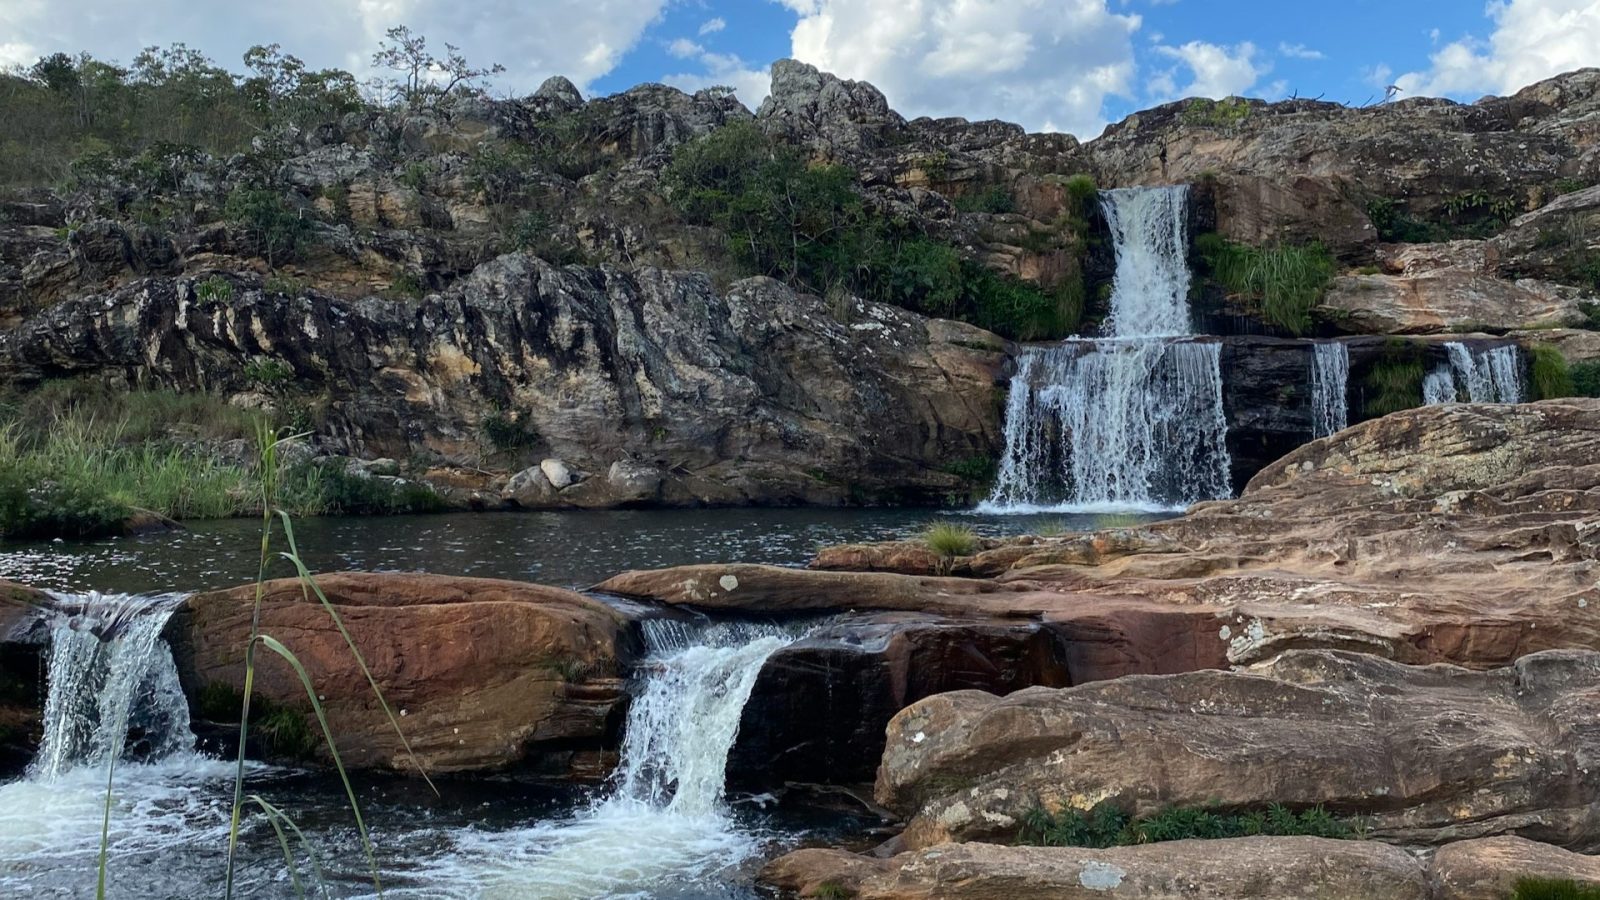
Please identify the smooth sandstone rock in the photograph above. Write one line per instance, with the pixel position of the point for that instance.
(1259, 868)
(1489, 869)
(484, 674)
(1426, 755)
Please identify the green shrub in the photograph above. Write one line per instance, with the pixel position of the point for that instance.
(349, 494)
(215, 288)
(1550, 374)
(1282, 283)
(1107, 826)
(995, 200)
(832, 890)
(1396, 225)
(283, 285)
(275, 229)
(409, 286)
(1216, 113)
(978, 470)
(1554, 889)
(950, 539)
(506, 434)
(268, 372)
(1585, 378)
(283, 731)
(1395, 381)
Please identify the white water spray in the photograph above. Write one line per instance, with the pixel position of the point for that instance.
(1133, 421)
(665, 826)
(1490, 376)
(1330, 382)
(1439, 387)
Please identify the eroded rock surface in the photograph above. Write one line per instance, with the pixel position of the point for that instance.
(483, 674)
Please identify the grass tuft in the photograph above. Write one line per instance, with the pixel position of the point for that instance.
(950, 539)
(1282, 283)
(1554, 889)
(1395, 381)
(1551, 376)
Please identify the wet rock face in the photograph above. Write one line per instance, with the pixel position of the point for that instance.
(483, 674)
(753, 395)
(1428, 755)
(23, 653)
(820, 706)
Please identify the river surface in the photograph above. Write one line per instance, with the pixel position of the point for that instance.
(565, 549)
(664, 828)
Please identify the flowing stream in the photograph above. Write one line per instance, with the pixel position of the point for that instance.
(1133, 421)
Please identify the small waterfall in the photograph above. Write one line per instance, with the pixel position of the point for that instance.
(1134, 420)
(1439, 387)
(664, 825)
(111, 674)
(1490, 376)
(1330, 381)
(1150, 293)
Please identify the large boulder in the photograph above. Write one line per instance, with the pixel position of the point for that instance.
(1555, 241)
(1489, 868)
(1425, 754)
(1256, 868)
(483, 674)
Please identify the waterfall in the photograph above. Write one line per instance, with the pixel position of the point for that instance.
(1330, 381)
(1133, 420)
(1490, 376)
(109, 671)
(1150, 292)
(665, 822)
(1439, 387)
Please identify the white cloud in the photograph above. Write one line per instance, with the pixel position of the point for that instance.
(1043, 63)
(750, 85)
(683, 48)
(582, 39)
(712, 26)
(1218, 71)
(14, 53)
(1299, 51)
(1532, 40)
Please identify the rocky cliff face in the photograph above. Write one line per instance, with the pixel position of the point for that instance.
(401, 321)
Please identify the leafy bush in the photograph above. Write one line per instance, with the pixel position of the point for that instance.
(349, 494)
(1107, 826)
(506, 434)
(1551, 375)
(1585, 378)
(215, 288)
(1283, 283)
(1554, 889)
(978, 470)
(950, 539)
(1216, 113)
(275, 229)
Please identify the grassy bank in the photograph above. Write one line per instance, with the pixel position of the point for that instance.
(80, 461)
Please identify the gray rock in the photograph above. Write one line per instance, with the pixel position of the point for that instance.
(530, 489)
(631, 482)
(558, 473)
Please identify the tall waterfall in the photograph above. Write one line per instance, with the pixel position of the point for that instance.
(109, 670)
(1488, 376)
(1330, 382)
(665, 824)
(1133, 420)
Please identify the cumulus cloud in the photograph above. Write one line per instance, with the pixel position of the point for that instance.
(1299, 51)
(712, 26)
(582, 39)
(1217, 71)
(750, 84)
(1048, 64)
(1532, 40)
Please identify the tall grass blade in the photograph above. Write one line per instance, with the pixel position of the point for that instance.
(308, 585)
(277, 647)
(105, 830)
(305, 844)
(283, 842)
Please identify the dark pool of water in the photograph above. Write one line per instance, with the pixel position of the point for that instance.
(567, 549)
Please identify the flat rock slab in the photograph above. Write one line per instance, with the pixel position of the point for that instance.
(1489, 869)
(1258, 868)
(1427, 755)
(480, 671)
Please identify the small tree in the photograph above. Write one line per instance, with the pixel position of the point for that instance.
(426, 78)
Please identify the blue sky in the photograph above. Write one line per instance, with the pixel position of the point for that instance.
(1070, 65)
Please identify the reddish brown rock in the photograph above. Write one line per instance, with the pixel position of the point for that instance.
(1257, 868)
(1425, 754)
(1489, 869)
(482, 673)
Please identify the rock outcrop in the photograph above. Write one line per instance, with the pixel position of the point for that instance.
(1425, 754)
(1258, 868)
(482, 674)
(1489, 869)
(671, 391)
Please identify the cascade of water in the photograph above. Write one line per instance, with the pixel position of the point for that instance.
(1490, 376)
(1149, 230)
(665, 825)
(1330, 380)
(109, 670)
(1134, 420)
(1439, 387)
